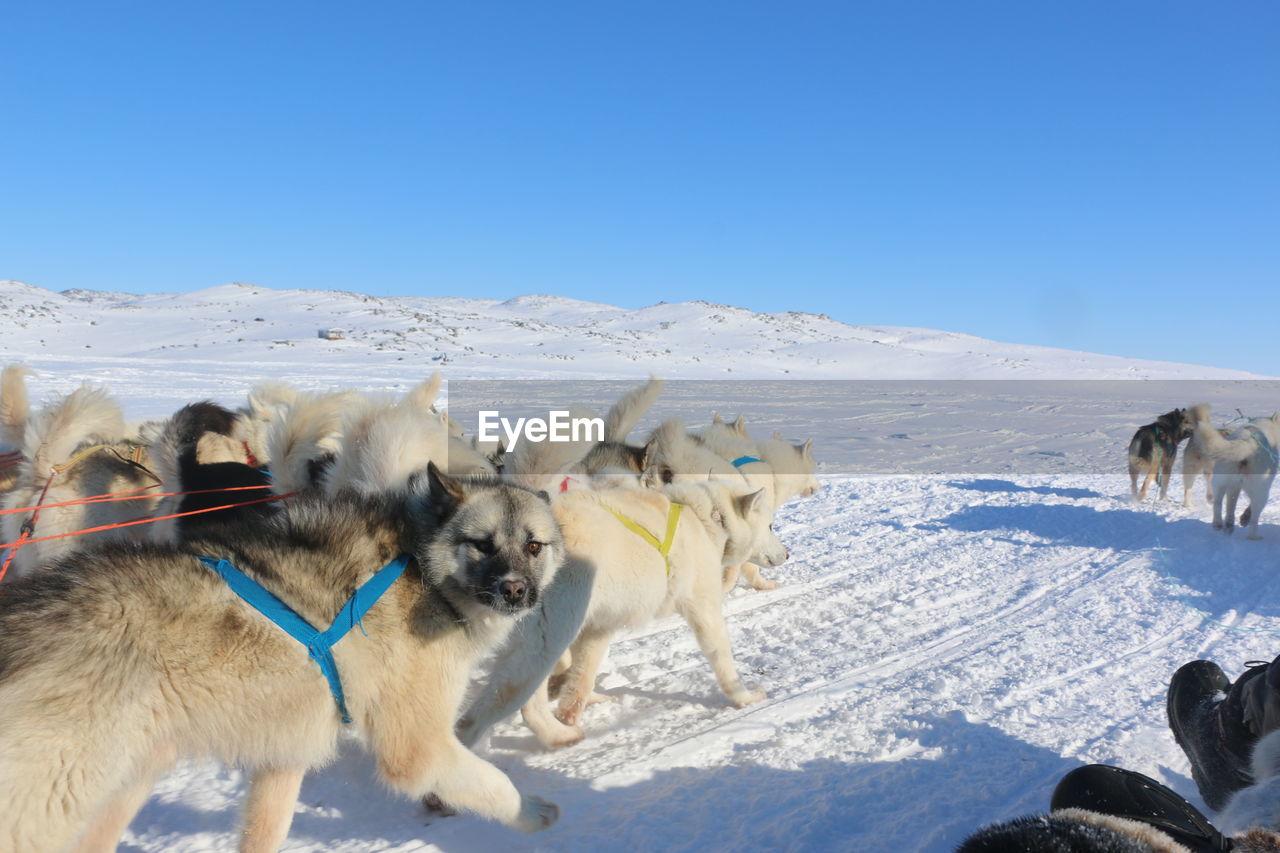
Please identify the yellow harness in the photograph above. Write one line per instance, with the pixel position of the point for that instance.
(663, 547)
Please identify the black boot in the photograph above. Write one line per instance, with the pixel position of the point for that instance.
(1124, 793)
(1207, 716)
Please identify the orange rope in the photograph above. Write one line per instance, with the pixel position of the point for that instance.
(28, 527)
(146, 520)
(111, 497)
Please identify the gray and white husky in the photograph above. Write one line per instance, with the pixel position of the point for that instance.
(115, 661)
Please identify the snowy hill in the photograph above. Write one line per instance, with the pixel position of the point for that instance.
(529, 336)
(972, 607)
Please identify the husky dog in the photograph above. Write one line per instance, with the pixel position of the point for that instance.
(15, 409)
(168, 660)
(794, 468)
(74, 449)
(1153, 449)
(195, 452)
(718, 525)
(1246, 460)
(1196, 461)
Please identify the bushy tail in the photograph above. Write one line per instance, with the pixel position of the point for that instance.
(629, 409)
(423, 395)
(15, 407)
(383, 444)
(1225, 449)
(1199, 414)
(86, 414)
(540, 465)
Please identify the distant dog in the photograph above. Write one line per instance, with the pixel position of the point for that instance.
(1244, 461)
(1153, 450)
(202, 467)
(717, 525)
(167, 660)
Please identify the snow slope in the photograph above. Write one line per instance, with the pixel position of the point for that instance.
(972, 606)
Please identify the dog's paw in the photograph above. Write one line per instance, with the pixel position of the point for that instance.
(597, 698)
(567, 736)
(436, 806)
(742, 698)
(536, 814)
(764, 584)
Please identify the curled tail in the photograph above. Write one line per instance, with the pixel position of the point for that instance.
(86, 414)
(1224, 449)
(15, 407)
(629, 409)
(303, 439)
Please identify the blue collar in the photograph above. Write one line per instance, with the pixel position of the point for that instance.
(319, 643)
(743, 460)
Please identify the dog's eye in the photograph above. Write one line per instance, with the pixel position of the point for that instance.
(534, 548)
(484, 546)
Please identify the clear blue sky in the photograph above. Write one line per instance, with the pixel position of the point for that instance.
(1094, 174)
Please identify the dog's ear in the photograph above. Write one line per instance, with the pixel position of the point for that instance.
(717, 419)
(746, 503)
(740, 425)
(443, 491)
(777, 436)
(806, 450)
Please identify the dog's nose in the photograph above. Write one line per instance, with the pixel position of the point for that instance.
(513, 591)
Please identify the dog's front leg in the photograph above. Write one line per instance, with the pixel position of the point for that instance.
(432, 761)
(533, 647)
(751, 572)
(268, 811)
(550, 732)
(707, 622)
(588, 651)
(103, 835)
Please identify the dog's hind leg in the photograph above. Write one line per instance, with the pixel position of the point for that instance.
(268, 811)
(1253, 514)
(1229, 510)
(1166, 472)
(708, 626)
(1133, 482)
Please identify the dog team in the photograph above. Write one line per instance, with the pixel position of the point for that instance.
(147, 565)
(1231, 461)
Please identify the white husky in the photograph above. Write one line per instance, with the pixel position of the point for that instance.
(715, 525)
(1245, 461)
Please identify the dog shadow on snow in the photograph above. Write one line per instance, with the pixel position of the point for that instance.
(957, 776)
(1218, 575)
(1006, 486)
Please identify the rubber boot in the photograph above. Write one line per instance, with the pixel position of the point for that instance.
(1217, 723)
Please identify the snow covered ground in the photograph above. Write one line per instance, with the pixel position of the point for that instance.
(972, 607)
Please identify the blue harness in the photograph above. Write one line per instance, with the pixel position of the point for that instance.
(743, 460)
(319, 644)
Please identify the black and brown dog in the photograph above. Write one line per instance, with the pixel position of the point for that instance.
(1153, 449)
